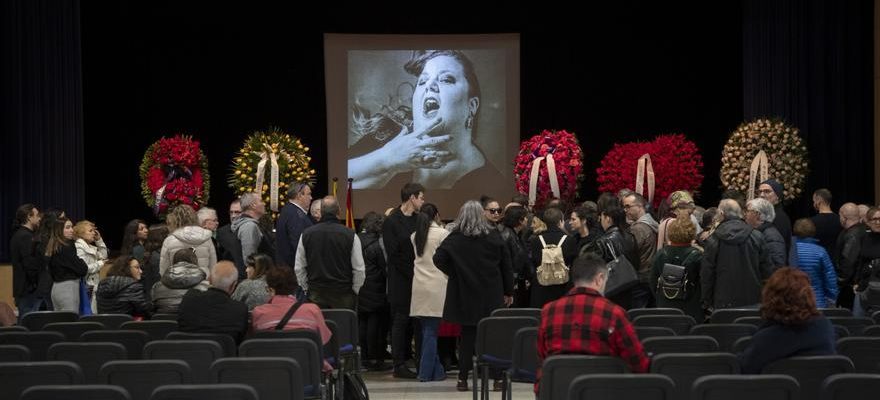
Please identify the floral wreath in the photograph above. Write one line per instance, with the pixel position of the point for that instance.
(174, 171)
(549, 150)
(762, 149)
(267, 163)
(676, 160)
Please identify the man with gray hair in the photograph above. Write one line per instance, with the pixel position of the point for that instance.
(247, 227)
(760, 214)
(214, 311)
(735, 263)
(329, 262)
(294, 219)
(846, 252)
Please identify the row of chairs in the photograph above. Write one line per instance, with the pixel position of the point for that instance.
(684, 372)
(684, 325)
(272, 378)
(716, 387)
(728, 315)
(217, 391)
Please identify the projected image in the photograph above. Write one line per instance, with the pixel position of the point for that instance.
(434, 115)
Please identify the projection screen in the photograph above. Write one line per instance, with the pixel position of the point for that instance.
(441, 110)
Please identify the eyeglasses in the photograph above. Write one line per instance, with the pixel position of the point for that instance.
(494, 210)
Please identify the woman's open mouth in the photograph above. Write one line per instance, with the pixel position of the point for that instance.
(430, 107)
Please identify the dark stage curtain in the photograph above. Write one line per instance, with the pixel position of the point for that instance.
(810, 62)
(42, 124)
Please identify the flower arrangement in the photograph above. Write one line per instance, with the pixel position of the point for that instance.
(174, 171)
(676, 160)
(568, 160)
(267, 163)
(786, 156)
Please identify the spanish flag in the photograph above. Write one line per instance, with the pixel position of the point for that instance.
(349, 211)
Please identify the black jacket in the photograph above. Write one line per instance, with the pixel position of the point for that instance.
(783, 224)
(122, 295)
(65, 265)
(775, 341)
(776, 249)
(328, 246)
(479, 275)
(540, 294)
(401, 258)
(519, 255)
(735, 265)
(212, 311)
(846, 253)
(229, 249)
(372, 294)
(291, 223)
(25, 264)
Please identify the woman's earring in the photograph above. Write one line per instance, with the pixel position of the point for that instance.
(469, 122)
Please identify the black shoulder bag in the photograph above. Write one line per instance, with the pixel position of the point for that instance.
(288, 315)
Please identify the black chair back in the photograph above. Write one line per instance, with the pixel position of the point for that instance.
(14, 353)
(164, 317)
(15, 377)
(864, 352)
(680, 324)
(854, 325)
(558, 372)
(37, 342)
(303, 350)
(517, 312)
(756, 321)
(141, 377)
(680, 344)
(621, 387)
(810, 371)
(638, 312)
(741, 344)
(157, 330)
(133, 341)
(836, 312)
(13, 328)
(89, 356)
(751, 387)
(725, 334)
(684, 369)
(274, 378)
(35, 321)
(214, 391)
(644, 332)
(198, 354)
(72, 330)
(729, 315)
(871, 331)
(75, 392)
(524, 363)
(849, 386)
(226, 342)
(110, 321)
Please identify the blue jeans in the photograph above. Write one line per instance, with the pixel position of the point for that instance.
(30, 303)
(430, 368)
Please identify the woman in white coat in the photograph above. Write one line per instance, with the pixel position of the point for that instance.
(428, 289)
(186, 233)
(91, 249)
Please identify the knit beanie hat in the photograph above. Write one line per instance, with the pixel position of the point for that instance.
(777, 187)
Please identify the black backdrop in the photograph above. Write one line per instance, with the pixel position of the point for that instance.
(613, 73)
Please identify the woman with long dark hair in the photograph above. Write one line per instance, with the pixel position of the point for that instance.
(122, 292)
(428, 289)
(66, 268)
(254, 291)
(156, 235)
(477, 262)
(133, 238)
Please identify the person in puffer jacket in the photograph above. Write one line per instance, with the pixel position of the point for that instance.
(186, 233)
(815, 262)
(182, 276)
(121, 292)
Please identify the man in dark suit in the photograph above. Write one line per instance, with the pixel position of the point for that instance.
(294, 219)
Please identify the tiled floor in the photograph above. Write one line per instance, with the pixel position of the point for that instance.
(382, 386)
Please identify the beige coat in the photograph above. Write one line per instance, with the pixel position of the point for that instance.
(195, 237)
(94, 256)
(429, 283)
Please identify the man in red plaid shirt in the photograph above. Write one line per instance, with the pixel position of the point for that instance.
(585, 322)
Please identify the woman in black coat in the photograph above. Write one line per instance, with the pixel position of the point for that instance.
(477, 261)
(121, 292)
(372, 303)
(623, 243)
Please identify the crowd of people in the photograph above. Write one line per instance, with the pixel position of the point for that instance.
(415, 280)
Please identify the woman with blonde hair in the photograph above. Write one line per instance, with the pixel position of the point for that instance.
(676, 270)
(91, 249)
(186, 233)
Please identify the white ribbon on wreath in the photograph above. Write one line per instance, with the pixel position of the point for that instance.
(644, 165)
(268, 155)
(551, 173)
(758, 170)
